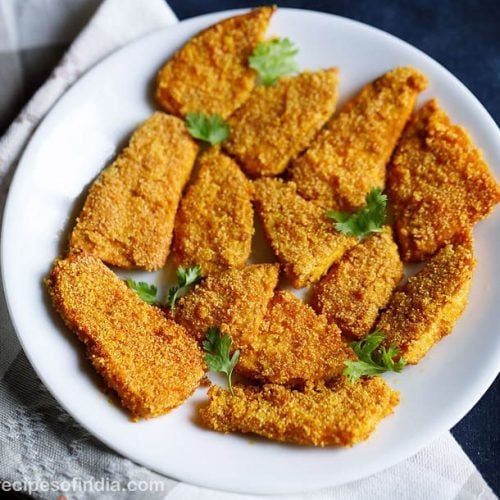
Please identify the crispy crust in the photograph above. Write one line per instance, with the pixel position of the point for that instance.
(277, 122)
(214, 224)
(149, 361)
(426, 309)
(360, 285)
(349, 157)
(128, 217)
(293, 345)
(234, 300)
(438, 184)
(302, 237)
(340, 415)
(210, 74)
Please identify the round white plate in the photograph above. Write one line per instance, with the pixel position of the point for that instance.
(76, 140)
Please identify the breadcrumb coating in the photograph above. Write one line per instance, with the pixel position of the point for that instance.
(348, 158)
(343, 414)
(234, 300)
(438, 184)
(149, 361)
(210, 74)
(293, 345)
(277, 122)
(360, 285)
(128, 217)
(426, 309)
(214, 224)
(302, 237)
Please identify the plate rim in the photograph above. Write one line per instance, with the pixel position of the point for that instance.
(450, 420)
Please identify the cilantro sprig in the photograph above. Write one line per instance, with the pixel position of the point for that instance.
(148, 293)
(273, 59)
(212, 129)
(185, 278)
(373, 358)
(145, 291)
(367, 220)
(217, 358)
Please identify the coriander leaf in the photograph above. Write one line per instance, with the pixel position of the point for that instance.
(388, 356)
(144, 290)
(273, 59)
(365, 348)
(357, 369)
(188, 276)
(373, 358)
(368, 219)
(212, 129)
(217, 358)
(172, 297)
(185, 278)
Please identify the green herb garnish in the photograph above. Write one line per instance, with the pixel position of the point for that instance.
(212, 129)
(373, 358)
(217, 357)
(185, 278)
(273, 59)
(368, 219)
(145, 291)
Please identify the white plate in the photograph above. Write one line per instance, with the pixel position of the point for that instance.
(79, 136)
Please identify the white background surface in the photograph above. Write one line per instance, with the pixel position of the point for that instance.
(33, 34)
(101, 111)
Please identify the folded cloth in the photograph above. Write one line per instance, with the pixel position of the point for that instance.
(40, 442)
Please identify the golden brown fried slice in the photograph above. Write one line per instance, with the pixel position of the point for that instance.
(438, 184)
(234, 301)
(349, 157)
(128, 216)
(360, 285)
(431, 302)
(293, 345)
(214, 224)
(302, 237)
(277, 122)
(149, 361)
(342, 414)
(210, 74)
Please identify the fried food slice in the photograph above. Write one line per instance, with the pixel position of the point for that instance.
(348, 158)
(149, 361)
(234, 300)
(302, 237)
(360, 285)
(128, 217)
(438, 184)
(277, 122)
(293, 345)
(214, 224)
(210, 74)
(342, 414)
(426, 309)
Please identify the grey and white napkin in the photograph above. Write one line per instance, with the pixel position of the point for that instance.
(39, 441)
